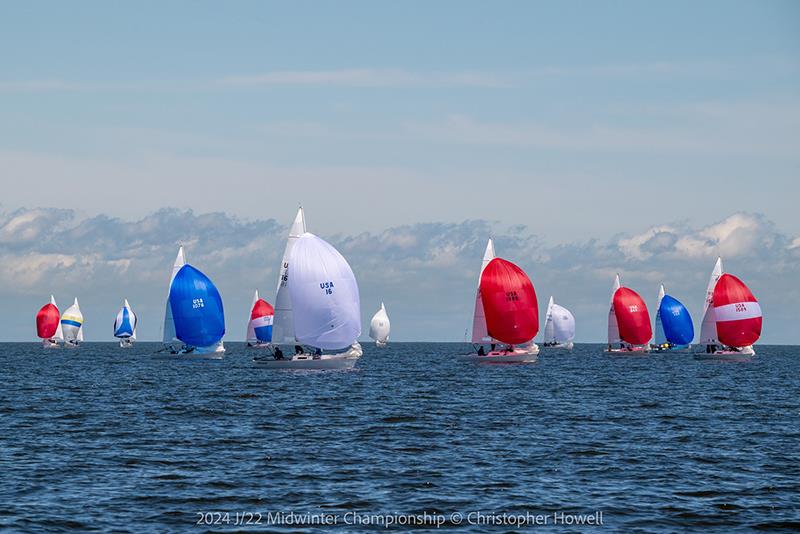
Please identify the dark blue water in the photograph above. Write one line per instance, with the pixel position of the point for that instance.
(102, 438)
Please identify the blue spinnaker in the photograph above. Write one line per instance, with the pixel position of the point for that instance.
(196, 308)
(676, 321)
(124, 327)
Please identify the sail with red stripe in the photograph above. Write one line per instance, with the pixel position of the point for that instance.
(509, 303)
(261, 321)
(737, 311)
(632, 317)
(47, 321)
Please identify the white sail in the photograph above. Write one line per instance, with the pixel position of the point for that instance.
(135, 319)
(122, 329)
(72, 323)
(708, 328)
(549, 331)
(283, 321)
(613, 325)
(480, 333)
(169, 325)
(563, 324)
(251, 331)
(659, 336)
(324, 295)
(379, 326)
(59, 335)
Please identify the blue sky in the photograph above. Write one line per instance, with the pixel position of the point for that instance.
(574, 120)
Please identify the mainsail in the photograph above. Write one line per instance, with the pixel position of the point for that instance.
(479, 331)
(324, 295)
(509, 303)
(613, 325)
(283, 322)
(169, 324)
(708, 328)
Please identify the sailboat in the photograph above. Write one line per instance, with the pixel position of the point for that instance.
(628, 321)
(125, 326)
(379, 328)
(259, 327)
(317, 304)
(506, 311)
(559, 327)
(194, 319)
(674, 330)
(72, 325)
(48, 325)
(732, 317)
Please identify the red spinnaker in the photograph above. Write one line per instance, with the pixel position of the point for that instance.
(737, 311)
(47, 321)
(262, 308)
(509, 302)
(632, 317)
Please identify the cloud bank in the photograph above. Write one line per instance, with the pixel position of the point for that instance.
(425, 272)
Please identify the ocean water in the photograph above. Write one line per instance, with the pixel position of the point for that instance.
(101, 439)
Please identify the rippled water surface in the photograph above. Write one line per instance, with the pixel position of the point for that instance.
(101, 438)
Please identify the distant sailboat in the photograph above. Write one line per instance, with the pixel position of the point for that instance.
(317, 304)
(506, 311)
(674, 330)
(72, 325)
(259, 327)
(194, 320)
(628, 321)
(125, 326)
(379, 327)
(559, 327)
(48, 325)
(732, 317)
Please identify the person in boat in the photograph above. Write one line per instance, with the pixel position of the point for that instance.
(510, 349)
(317, 353)
(298, 350)
(492, 347)
(278, 353)
(481, 351)
(609, 347)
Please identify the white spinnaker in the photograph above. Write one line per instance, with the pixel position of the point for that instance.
(169, 323)
(59, 335)
(324, 295)
(283, 321)
(72, 332)
(549, 332)
(251, 332)
(659, 336)
(708, 328)
(613, 325)
(379, 326)
(480, 333)
(563, 324)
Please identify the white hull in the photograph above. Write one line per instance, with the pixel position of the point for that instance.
(639, 350)
(558, 346)
(344, 360)
(212, 352)
(727, 354)
(50, 344)
(516, 356)
(381, 344)
(125, 343)
(72, 344)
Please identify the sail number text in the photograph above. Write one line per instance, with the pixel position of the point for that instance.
(197, 303)
(327, 287)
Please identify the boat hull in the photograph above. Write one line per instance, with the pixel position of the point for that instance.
(529, 355)
(725, 354)
(639, 350)
(558, 346)
(654, 349)
(50, 344)
(125, 343)
(344, 360)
